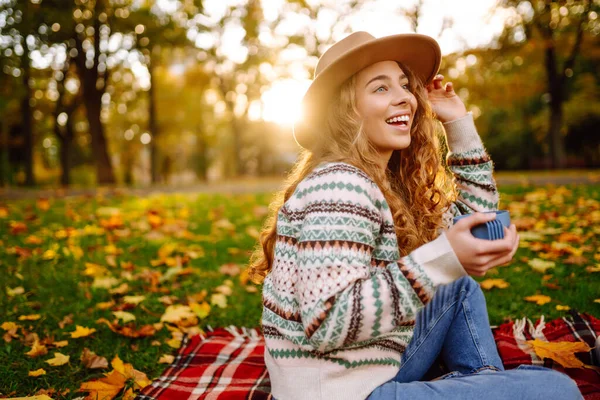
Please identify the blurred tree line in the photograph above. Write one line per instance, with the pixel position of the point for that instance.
(130, 86)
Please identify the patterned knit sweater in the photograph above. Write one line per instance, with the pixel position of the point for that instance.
(339, 305)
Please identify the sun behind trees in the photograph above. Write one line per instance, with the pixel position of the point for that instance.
(104, 92)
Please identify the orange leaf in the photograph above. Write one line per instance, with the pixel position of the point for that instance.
(37, 349)
(490, 283)
(561, 352)
(539, 299)
(43, 204)
(130, 330)
(81, 331)
(58, 360)
(139, 378)
(37, 372)
(105, 388)
(17, 227)
(32, 317)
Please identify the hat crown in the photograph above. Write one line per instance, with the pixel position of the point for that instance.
(345, 45)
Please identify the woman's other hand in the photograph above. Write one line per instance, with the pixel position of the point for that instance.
(445, 103)
(477, 256)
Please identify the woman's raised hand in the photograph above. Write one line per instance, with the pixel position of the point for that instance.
(477, 256)
(445, 103)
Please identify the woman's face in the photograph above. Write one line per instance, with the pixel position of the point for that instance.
(386, 106)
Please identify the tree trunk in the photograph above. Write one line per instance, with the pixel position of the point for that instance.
(65, 152)
(26, 124)
(153, 126)
(93, 106)
(94, 86)
(555, 119)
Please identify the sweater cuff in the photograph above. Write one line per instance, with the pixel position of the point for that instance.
(462, 135)
(439, 261)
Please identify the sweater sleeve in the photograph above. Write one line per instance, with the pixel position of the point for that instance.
(471, 167)
(345, 295)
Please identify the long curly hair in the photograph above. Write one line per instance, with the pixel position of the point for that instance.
(415, 185)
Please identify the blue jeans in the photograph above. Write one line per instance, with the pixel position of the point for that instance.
(455, 327)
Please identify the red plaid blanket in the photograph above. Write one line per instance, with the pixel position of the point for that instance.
(228, 364)
(511, 342)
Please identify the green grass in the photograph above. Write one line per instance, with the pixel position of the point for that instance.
(57, 286)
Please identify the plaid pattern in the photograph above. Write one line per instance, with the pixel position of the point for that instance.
(511, 342)
(228, 363)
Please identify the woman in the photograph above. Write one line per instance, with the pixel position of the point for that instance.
(366, 283)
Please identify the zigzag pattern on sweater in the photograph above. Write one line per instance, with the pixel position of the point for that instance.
(334, 207)
(335, 241)
(477, 201)
(337, 167)
(286, 353)
(486, 186)
(475, 169)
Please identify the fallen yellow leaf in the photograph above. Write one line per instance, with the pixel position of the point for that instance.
(7, 326)
(200, 309)
(104, 388)
(166, 359)
(561, 352)
(218, 299)
(58, 360)
(539, 299)
(32, 317)
(178, 313)
(37, 349)
(139, 378)
(595, 268)
(37, 372)
(122, 289)
(15, 292)
(540, 265)
(134, 299)
(174, 343)
(124, 316)
(105, 305)
(562, 308)
(490, 283)
(81, 331)
(94, 270)
(61, 343)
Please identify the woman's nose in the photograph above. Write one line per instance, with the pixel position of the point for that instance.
(401, 96)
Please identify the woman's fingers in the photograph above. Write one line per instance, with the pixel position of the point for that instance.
(504, 258)
(494, 247)
(437, 81)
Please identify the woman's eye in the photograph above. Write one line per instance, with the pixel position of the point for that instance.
(406, 86)
(380, 89)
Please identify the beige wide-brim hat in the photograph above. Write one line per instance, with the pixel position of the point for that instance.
(420, 53)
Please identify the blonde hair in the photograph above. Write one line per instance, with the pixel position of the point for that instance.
(415, 185)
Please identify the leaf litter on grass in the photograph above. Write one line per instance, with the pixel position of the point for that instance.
(175, 263)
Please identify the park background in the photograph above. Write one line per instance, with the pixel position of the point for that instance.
(178, 92)
(142, 141)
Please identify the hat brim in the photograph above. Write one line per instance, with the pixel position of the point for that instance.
(420, 53)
